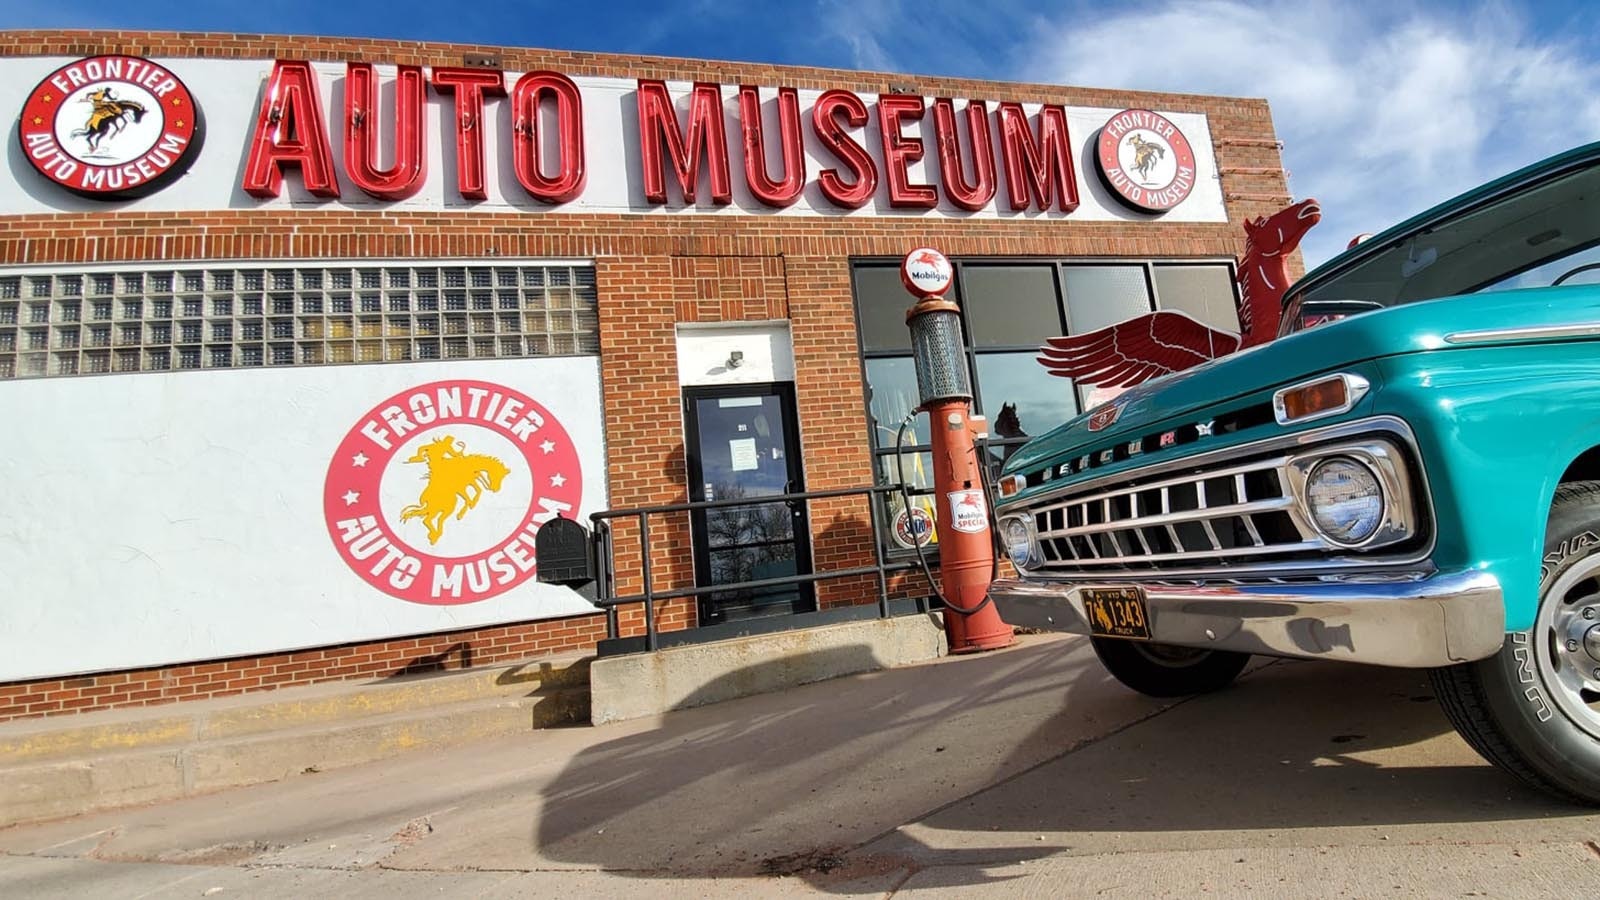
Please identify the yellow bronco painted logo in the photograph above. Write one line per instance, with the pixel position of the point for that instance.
(455, 478)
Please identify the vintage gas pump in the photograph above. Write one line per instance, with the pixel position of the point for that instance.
(966, 545)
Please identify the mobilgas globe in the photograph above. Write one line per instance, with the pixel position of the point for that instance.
(926, 272)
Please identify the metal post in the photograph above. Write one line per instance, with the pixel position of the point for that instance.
(605, 587)
(649, 592)
(877, 555)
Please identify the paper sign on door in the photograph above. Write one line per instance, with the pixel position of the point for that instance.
(743, 453)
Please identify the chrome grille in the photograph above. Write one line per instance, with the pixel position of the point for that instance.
(1235, 512)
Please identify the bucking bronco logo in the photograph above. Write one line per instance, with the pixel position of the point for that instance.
(108, 116)
(1145, 160)
(436, 494)
(1145, 155)
(1102, 618)
(111, 127)
(454, 477)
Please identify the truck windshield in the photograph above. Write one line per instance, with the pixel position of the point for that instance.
(1533, 235)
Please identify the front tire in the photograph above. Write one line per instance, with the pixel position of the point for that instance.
(1164, 670)
(1533, 708)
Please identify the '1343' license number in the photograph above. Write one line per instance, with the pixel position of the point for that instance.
(1117, 612)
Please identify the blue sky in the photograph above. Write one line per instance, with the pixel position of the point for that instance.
(1384, 108)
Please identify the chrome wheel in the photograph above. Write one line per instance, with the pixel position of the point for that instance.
(1533, 708)
(1568, 648)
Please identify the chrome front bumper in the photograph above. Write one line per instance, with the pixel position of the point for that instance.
(1415, 621)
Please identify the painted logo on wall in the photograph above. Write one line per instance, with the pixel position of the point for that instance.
(435, 495)
(111, 127)
(1145, 160)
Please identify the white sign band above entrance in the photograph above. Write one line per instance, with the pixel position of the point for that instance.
(230, 92)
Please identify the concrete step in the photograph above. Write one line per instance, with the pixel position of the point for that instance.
(176, 724)
(72, 768)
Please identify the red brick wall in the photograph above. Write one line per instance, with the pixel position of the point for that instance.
(653, 272)
(373, 659)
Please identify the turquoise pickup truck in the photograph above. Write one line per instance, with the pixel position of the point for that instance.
(1408, 475)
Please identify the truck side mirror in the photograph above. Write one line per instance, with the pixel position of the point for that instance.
(564, 553)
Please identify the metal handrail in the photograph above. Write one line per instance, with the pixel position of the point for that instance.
(605, 550)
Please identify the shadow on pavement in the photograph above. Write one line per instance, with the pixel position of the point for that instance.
(1048, 754)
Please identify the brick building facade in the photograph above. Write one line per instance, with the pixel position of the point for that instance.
(659, 277)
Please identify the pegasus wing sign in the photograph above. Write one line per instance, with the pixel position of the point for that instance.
(1166, 341)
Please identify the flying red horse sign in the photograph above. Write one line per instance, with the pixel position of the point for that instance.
(1167, 341)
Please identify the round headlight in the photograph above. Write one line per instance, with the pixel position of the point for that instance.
(1019, 543)
(1345, 500)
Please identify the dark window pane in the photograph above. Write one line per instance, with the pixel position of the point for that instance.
(1010, 306)
(742, 447)
(1019, 397)
(1205, 292)
(997, 455)
(882, 301)
(892, 393)
(733, 526)
(1098, 296)
(753, 564)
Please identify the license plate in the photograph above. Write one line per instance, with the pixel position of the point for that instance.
(1117, 612)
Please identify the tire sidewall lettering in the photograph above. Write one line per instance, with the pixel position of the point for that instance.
(1551, 566)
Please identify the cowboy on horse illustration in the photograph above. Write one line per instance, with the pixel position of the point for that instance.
(455, 477)
(1145, 154)
(108, 116)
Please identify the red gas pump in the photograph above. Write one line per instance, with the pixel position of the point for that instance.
(966, 544)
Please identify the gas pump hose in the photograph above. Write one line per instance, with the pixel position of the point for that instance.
(905, 498)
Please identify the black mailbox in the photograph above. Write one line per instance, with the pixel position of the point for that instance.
(564, 554)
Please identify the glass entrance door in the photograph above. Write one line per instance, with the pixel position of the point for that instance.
(743, 444)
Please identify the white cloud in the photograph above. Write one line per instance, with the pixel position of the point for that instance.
(859, 27)
(1383, 113)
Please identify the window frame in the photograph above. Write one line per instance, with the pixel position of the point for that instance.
(991, 450)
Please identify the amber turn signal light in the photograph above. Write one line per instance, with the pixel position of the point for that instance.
(1011, 484)
(1326, 396)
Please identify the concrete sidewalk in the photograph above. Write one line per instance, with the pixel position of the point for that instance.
(1024, 772)
(68, 765)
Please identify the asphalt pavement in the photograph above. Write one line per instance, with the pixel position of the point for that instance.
(1024, 772)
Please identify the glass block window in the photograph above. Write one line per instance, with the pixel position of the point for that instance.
(165, 318)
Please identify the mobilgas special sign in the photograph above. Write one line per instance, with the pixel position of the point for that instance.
(365, 135)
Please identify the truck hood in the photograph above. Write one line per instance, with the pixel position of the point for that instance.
(1408, 328)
